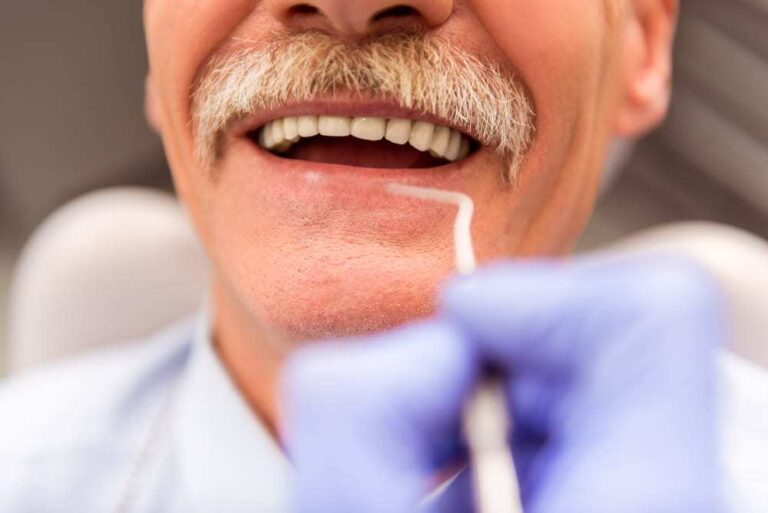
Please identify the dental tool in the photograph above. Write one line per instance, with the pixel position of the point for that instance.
(486, 421)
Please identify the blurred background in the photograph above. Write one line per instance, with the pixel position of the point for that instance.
(71, 121)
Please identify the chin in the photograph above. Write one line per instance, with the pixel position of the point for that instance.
(365, 295)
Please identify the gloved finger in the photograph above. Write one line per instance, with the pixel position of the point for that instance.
(529, 315)
(593, 329)
(612, 379)
(364, 420)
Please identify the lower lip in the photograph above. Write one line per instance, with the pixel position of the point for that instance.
(346, 186)
(296, 199)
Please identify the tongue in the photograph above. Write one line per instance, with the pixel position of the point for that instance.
(356, 152)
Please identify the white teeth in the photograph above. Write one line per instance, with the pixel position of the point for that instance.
(440, 141)
(334, 126)
(278, 136)
(421, 135)
(398, 131)
(265, 137)
(291, 128)
(454, 144)
(368, 129)
(308, 126)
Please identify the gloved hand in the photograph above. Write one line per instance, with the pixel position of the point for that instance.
(610, 372)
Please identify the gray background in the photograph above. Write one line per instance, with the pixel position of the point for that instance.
(71, 120)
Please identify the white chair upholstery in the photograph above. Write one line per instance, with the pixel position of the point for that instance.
(111, 266)
(739, 262)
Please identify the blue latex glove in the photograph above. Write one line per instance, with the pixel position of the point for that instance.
(610, 370)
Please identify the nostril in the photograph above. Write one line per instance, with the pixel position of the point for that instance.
(397, 11)
(302, 10)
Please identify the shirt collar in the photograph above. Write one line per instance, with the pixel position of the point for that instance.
(227, 459)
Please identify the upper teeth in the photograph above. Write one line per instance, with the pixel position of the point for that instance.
(440, 141)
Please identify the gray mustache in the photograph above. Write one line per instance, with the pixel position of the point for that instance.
(489, 102)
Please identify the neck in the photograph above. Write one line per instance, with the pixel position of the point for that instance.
(251, 357)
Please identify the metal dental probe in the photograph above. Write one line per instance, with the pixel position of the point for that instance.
(485, 419)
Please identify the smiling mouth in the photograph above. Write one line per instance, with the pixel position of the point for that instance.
(373, 142)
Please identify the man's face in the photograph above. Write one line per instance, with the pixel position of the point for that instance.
(304, 236)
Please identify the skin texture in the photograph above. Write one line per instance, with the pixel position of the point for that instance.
(297, 262)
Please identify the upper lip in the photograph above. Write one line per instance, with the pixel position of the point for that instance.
(341, 107)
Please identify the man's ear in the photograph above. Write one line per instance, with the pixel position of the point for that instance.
(647, 65)
(151, 105)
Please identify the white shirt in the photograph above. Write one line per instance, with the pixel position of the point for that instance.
(159, 426)
(153, 427)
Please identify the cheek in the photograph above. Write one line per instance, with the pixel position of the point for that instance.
(547, 40)
(180, 36)
(559, 48)
(556, 45)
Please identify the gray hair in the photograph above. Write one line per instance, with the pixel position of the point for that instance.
(487, 101)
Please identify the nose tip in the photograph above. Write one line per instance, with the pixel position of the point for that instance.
(360, 18)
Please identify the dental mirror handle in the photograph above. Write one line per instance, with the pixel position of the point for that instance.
(486, 421)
